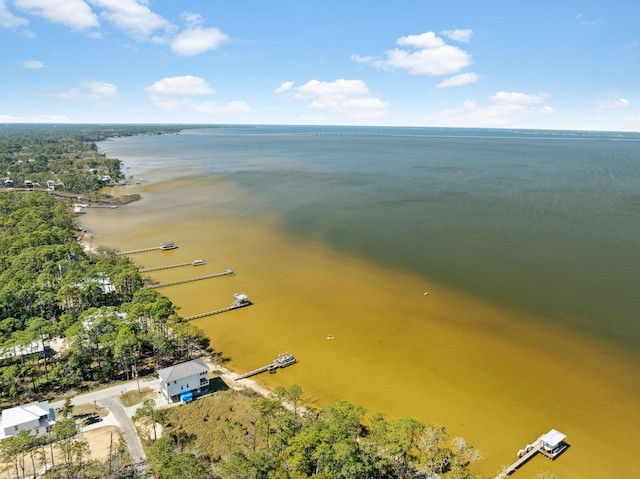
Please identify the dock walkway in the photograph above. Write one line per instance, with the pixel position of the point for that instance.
(241, 300)
(170, 266)
(281, 361)
(165, 246)
(216, 311)
(143, 250)
(521, 461)
(228, 272)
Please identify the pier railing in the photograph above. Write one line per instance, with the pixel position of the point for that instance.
(228, 272)
(281, 361)
(170, 266)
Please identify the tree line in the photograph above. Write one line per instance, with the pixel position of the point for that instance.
(50, 287)
(268, 440)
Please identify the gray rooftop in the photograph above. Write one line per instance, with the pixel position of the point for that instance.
(183, 370)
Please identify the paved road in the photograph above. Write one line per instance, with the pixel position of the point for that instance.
(126, 426)
(119, 415)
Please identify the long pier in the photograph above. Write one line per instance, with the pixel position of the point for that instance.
(281, 361)
(166, 246)
(241, 301)
(228, 272)
(180, 265)
(143, 250)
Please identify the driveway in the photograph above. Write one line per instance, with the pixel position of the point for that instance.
(118, 414)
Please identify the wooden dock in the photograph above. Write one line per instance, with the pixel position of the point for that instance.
(135, 251)
(550, 445)
(521, 461)
(166, 246)
(241, 300)
(179, 265)
(228, 272)
(282, 361)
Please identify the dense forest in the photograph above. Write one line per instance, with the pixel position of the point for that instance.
(53, 291)
(65, 156)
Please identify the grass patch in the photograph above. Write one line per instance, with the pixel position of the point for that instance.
(194, 424)
(131, 398)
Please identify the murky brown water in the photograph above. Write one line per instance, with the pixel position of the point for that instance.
(443, 357)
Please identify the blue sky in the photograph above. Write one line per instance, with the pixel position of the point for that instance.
(492, 63)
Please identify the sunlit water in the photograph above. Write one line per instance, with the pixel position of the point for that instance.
(525, 241)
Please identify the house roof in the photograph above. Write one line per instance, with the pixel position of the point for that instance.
(25, 413)
(183, 370)
(553, 438)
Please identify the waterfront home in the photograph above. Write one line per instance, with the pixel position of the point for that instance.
(36, 417)
(184, 381)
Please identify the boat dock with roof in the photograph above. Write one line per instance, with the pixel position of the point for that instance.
(550, 445)
(282, 361)
(165, 246)
(241, 300)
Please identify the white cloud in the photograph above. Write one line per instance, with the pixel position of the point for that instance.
(350, 98)
(32, 64)
(8, 19)
(174, 93)
(180, 86)
(619, 103)
(196, 40)
(427, 54)
(507, 109)
(459, 80)
(97, 91)
(73, 13)
(517, 98)
(34, 119)
(583, 20)
(363, 59)
(286, 86)
(192, 19)
(131, 16)
(459, 34)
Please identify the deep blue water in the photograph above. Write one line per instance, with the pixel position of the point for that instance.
(546, 221)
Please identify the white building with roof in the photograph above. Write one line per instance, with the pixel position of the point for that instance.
(553, 442)
(36, 417)
(183, 381)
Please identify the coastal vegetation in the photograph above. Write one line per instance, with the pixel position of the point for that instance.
(65, 156)
(70, 318)
(50, 287)
(240, 435)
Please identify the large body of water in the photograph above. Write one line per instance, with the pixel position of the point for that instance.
(526, 241)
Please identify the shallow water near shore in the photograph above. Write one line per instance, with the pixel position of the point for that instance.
(491, 367)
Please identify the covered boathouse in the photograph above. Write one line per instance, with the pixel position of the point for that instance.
(552, 443)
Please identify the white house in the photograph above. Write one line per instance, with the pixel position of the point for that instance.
(181, 382)
(34, 347)
(36, 417)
